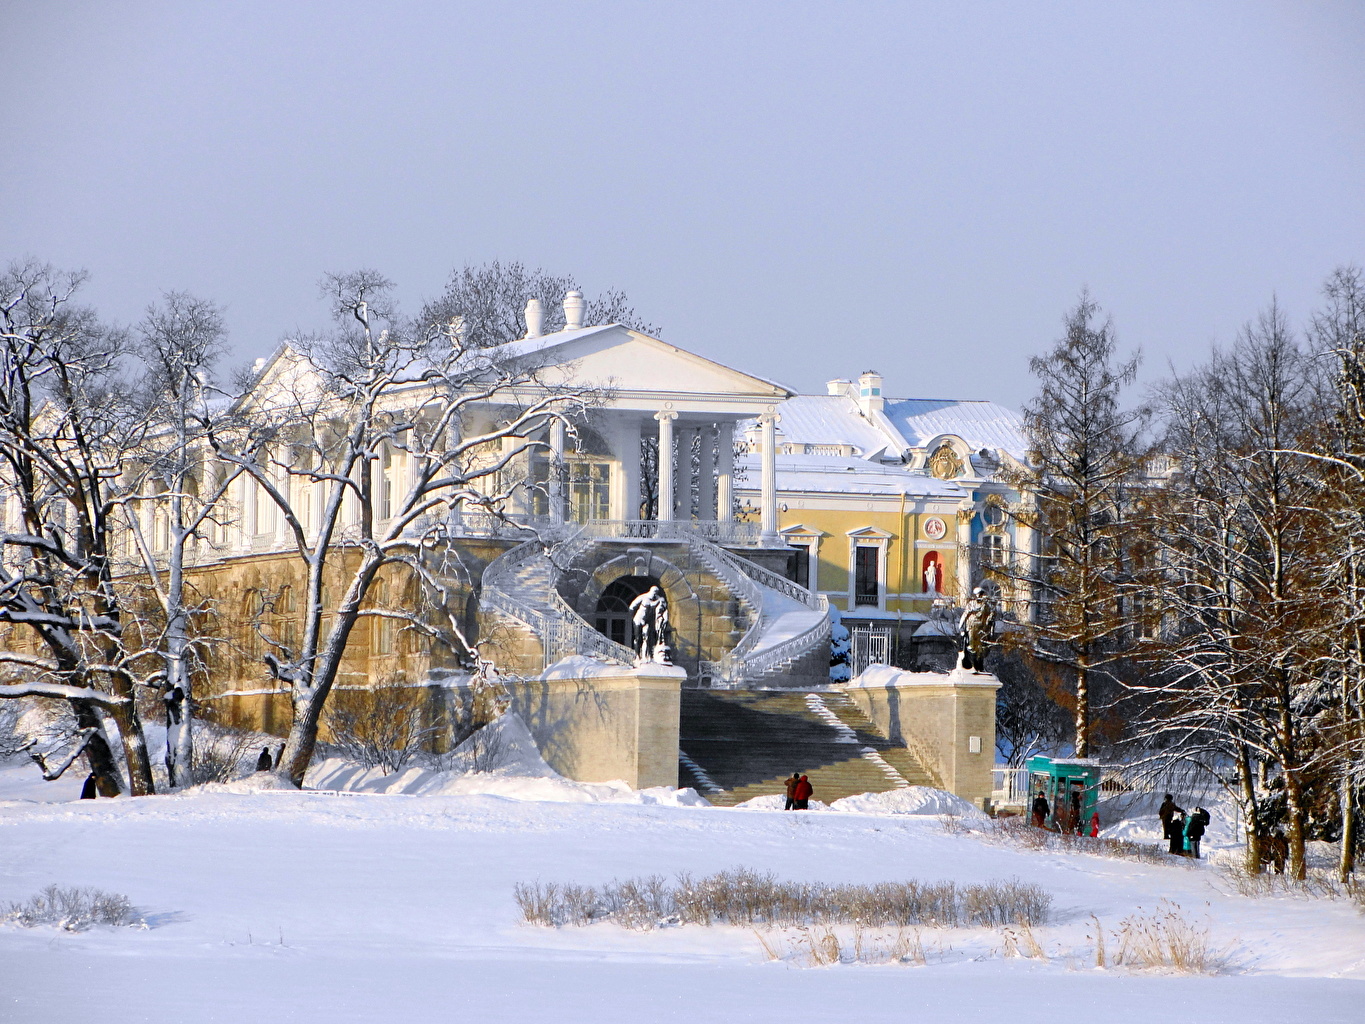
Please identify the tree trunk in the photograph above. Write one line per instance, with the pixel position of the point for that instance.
(1293, 792)
(1347, 865)
(97, 753)
(1082, 709)
(1247, 781)
(179, 709)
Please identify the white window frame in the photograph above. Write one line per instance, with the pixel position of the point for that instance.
(810, 538)
(867, 537)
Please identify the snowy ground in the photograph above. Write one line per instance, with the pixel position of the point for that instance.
(287, 906)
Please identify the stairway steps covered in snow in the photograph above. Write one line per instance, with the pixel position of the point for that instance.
(747, 742)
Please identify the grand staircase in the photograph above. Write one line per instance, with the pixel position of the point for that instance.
(740, 744)
(764, 630)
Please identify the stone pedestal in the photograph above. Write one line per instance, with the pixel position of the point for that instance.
(946, 719)
(596, 723)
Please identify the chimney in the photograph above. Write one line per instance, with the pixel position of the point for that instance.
(839, 387)
(870, 398)
(535, 318)
(573, 311)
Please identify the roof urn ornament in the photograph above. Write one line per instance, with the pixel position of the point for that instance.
(535, 318)
(573, 310)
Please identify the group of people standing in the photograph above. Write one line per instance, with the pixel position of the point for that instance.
(1182, 831)
(799, 790)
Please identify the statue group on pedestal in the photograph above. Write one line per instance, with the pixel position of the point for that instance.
(649, 613)
(975, 628)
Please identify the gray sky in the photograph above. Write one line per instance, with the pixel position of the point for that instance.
(801, 190)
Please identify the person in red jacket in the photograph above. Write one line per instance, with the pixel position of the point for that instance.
(1095, 825)
(802, 791)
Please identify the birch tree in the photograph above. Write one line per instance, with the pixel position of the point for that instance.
(375, 388)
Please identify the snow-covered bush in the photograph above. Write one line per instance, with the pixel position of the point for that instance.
(840, 650)
(72, 908)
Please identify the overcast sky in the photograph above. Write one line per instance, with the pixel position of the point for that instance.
(800, 190)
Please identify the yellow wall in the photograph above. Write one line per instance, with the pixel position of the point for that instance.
(902, 559)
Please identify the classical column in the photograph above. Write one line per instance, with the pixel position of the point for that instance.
(249, 494)
(706, 474)
(768, 493)
(965, 514)
(625, 500)
(725, 471)
(665, 488)
(687, 436)
(555, 481)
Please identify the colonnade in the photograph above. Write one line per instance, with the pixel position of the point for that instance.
(711, 495)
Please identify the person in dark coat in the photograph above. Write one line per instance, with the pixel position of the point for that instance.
(88, 791)
(1194, 830)
(1039, 809)
(264, 763)
(802, 791)
(1176, 834)
(1168, 810)
(791, 790)
(1074, 823)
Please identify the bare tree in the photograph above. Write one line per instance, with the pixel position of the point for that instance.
(1338, 333)
(1085, 455)
(379, 390)
(173, 494)
(1239, 540)
(65, 427)
(489, 301)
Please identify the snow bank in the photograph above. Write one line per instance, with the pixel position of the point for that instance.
(254, 783)
(775, 802)
(520, 773)
(913, 800)
(885, 675)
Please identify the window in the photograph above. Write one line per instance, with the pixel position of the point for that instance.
(866, 584)
(386, 485)
(589, 491)
(801, 563)
(993, 549)
(993, 514)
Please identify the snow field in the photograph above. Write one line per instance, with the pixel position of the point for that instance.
(325, 907)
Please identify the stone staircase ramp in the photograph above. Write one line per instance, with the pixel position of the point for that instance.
(746, 743)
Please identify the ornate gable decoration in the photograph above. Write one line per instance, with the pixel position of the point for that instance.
(944, 463)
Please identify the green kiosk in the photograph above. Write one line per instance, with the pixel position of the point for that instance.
(1071, 787)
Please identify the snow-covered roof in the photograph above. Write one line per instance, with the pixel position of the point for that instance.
(980, 424)
(834, 475)
(830, 419)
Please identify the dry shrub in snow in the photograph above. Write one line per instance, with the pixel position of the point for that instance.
(824, 946)
(1167, 939)
(218, 758)
(380, 726)
(1020, 832)
(72, 908)
(742, 896)
(1318, 884)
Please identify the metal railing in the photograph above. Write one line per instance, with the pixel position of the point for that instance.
(789, 650)
(715, 531)
(1009, 786)
(561, 630)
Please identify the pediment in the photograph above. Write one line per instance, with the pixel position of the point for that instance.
(632, 363)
